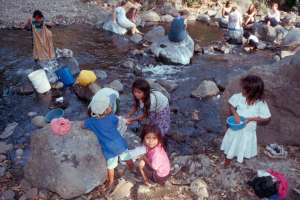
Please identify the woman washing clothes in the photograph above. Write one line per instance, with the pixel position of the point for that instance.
(119, 16)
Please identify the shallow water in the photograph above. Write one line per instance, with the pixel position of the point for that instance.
(95, 49)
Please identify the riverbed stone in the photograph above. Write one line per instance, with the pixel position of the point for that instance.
(2, 171)
(169, 85)
(292, 38)
(156, 86)
(122, 190)
(206, 89)
(155, 34)
(116, 85)
(203, 18)
(150, 16)
(94, 87)
(136, 38)
(174, 52)
(39, 121)
(9, 130)
(114, 27)
(282, 88)
(70, 166)
(25, 89)
(5, 147)
(83, 92)
(199, 187)
(8, 195)
(167, 18)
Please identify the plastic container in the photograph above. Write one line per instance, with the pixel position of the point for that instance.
(53, 114)
(273, 197)
(65, 76)
(39, 81)
(234, 126)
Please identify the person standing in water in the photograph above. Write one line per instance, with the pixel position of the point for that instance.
(43, 49)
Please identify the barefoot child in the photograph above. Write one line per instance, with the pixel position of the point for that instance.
(104, 124)
(250, 104)
(154, 104)
(155, 165)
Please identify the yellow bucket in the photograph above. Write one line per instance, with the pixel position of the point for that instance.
(86, 77)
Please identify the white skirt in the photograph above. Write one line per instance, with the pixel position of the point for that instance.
(240, 143)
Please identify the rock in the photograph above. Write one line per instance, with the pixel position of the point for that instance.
(174, 52)
(128, 64)
(43, 194)
(167, 18)
(58, 85)
(101, 74)
(143, 189)
(70, 166)
(155, 34)
(39, 121)
(150, 16)
(289, 19)
(9, 130)
(8, 195)
(222, 48)
(2, 157)
(19, 152)
(168, 9)
(292, 38)
(24, 185)
(276, 58)
(94, 87)
(25, 89)
(169, 85)
(203, 18)
(32, 193)
(199, 187)
(83, 93)
(31, 114)
(114, 27)
(158, 87)
(136, 38)
(206, 89)
(223, 23)
(212, 13)
(284, 54)
(198, 48)
(116, 85)
(2, 171)
(269, 33)
(122, 190)
(261, 45)
(282, 88)
(5, 147)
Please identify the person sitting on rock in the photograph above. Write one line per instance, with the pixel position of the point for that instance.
(119, 16)
(104, 125)
(43, 49)
(235, 26)
(133, 11)
(273, 17)
(226, 10)
(155, 165)
(178, 28)
(249, 16)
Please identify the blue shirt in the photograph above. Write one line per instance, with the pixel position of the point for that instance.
(111, 141)
(177, 31)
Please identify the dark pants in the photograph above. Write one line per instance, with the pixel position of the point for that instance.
(272, 21)
(253, 44)
(152, 175)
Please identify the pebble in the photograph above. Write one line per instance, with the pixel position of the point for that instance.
(58, 85)
(5, 147)
(101, 74)
(31, 114)
(143, 189)
(39, 121)
(117, 85)
(19, 152)
(9, 130)
(8, 195)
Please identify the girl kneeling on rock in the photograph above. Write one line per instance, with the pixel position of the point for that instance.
(154, 104)
(155, 165)
(250, 104)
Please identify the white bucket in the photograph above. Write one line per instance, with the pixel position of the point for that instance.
(39, 81)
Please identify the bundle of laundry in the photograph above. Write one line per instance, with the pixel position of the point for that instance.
(275, 151)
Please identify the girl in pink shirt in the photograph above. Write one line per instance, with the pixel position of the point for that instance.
(155, 165)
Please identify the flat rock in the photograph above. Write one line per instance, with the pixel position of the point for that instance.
(150, 16)
(39, 121)
(167, 18)
(199, 187)
(136, 38)
(170, 86)
(116, 85)
(203, 18)
(9, 130)
(206, 89)
(5, 147)
(155, 34)
(292, 38)
(122, 190)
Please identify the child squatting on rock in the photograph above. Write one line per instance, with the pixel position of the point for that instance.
(155, 165)
(250, 104)
(104, 125)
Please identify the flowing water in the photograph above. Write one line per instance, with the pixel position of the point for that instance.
(95, 49)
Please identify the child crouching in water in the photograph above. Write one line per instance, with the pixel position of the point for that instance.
(155, 165)
(250, 104)
(104, 125)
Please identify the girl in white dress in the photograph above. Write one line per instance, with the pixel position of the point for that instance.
(251, 105)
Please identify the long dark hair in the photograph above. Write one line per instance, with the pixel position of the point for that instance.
(252, 88)
(149, 128)
(143, 85)
(37, 13)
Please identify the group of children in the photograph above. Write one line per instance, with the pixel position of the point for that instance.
(155, 164)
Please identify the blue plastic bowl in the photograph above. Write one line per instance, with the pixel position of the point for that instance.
(234, 126)
(55, 113)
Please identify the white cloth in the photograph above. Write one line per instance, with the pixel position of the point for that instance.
(158, 101)
(235, 20)
(275, 15)
(243, 143)
(107, 92)
(253, 38)
(122, 20)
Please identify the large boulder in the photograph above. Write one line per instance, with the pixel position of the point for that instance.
(292, 38)
(174, 52)
(269, 33)
(114, 27)
(69, 165)
(282, 90)
(151, 16)
(155, 34)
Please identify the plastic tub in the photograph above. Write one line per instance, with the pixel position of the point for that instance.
(64, 75)
(234, 126)
(39, 81)
(53, 114)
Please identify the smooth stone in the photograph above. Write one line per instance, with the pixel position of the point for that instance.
(39, 121)
(136, 38)
(206, 89)
(116, 85)
(9, 130)
(31, 114)
(8, 195)
(32, 193)
(101, 74)
(122, 190)
(19, 152)
(2, 170)
(150, 16)
(5, 147)
(57, 85)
